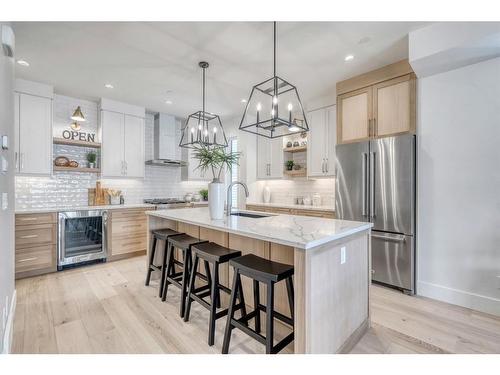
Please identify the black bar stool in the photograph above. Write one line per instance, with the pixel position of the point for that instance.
(210, 253)
(182, 242)
(269, 273)
(159, 234)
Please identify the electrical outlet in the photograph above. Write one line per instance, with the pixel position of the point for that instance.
(342, 255)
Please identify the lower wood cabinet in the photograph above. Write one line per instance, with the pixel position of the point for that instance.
(127, 233)
(35, 244)
(292, 211)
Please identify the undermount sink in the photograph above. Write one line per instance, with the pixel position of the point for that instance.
(248, 214)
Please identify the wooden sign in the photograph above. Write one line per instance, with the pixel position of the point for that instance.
(78, 136)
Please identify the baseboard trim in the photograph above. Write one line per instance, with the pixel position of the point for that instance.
(458, 297)
(9, 328)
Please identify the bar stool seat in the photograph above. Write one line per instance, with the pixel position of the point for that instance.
(162, 235)
(214, 254)
(180, 279)
(262, 269)
(269, 273)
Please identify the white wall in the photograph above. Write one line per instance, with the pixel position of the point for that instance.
(458, 246)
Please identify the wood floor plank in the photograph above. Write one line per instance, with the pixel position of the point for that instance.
(106, 308)
(72, 338)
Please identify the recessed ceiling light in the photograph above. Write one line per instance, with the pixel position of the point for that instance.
(168, 102)
(108, 86)
(243, 100)
(348, 57)
(23, 62)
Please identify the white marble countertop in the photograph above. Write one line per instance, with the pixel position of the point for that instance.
(82, 208)
(292, 205)
(298, 231)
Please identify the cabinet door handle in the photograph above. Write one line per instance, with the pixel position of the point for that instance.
(22, 160)
(326, 165)
(17, 160)
(29, 236)
(374, 130)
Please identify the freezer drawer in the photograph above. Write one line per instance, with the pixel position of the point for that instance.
(393, 259)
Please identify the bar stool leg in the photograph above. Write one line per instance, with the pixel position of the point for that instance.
(163, 269)
(290, 292)
(191, 288)
(256, 303)
(213, 305)
(151, 259)
(269, 318)
(185, 275)
(230, 314)
(170, 269)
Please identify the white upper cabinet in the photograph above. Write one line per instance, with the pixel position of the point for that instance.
(33, 128)
(321, 142)
(122, 137)
(113, 146)
(269, 158)
(134, 146)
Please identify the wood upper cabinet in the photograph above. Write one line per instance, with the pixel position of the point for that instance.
(384, 105)
(354, 112)
(394, 106)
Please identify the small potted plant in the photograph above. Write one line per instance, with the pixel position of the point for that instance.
(215, 160)
(289, 165)
(204, 194)
(91, 158)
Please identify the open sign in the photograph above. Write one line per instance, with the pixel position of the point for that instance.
(78, 136)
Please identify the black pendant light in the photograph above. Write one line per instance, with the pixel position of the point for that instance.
(274, 108)
(203, 129)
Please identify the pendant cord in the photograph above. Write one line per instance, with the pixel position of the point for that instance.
(203, 92)
(274, 49)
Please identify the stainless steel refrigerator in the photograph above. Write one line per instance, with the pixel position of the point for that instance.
(376, 182)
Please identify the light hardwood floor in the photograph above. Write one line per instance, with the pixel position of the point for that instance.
(106, 308)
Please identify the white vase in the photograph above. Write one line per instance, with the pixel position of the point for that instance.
(267, 194)
(216, 200)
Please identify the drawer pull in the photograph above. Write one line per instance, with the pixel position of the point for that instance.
(28, 219)
(29, 236)
(27, 260)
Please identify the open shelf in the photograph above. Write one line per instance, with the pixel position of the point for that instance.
(300, 173)
(69, 142)
(77, 169)
(295, 149)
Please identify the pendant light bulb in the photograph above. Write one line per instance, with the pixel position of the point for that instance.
(259, 107)
(272, 112)
(290, 106)
(215, 129)
(275, 99)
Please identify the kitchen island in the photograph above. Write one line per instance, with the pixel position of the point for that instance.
(331, 260)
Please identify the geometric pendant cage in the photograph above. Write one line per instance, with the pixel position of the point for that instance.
(274, 108)
(203, 129)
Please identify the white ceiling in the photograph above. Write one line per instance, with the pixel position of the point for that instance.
(150, 62)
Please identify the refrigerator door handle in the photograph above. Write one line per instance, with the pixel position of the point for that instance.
(364, 158)
(390, 237)
(372, 184)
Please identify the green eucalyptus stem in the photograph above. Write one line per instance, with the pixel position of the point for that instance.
(215, 159)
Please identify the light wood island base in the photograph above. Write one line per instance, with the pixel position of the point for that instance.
(331, 299)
